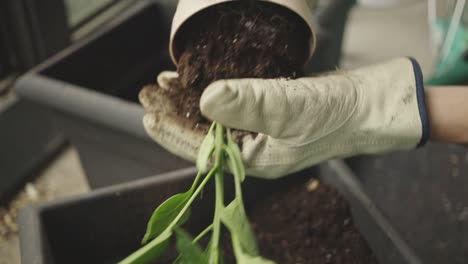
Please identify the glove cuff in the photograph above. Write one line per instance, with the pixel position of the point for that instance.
(421, 97)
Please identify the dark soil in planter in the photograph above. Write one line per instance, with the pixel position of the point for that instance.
(309, 223)
(305, 223)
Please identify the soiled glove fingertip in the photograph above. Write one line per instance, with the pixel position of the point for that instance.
(165, 78)
(149, 121)
(145, 94)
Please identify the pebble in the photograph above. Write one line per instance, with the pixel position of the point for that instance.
(249, 25)
(13, 227)
(7, 220)
(13, 212)
(347, 221)
(312, 185)
(8, 225)
(32, 192)
(9, 215)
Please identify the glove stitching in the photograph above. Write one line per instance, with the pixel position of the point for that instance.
(164, 135)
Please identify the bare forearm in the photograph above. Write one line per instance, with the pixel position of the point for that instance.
(448, 113)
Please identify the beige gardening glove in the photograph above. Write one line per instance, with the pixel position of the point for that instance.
(306, 121)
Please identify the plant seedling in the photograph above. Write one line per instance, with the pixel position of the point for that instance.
(168, 218)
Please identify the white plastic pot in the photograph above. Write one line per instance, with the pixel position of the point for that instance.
(188, 8)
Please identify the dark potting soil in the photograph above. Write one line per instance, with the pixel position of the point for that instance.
(305, 223)
(309, 223)
(242, 39)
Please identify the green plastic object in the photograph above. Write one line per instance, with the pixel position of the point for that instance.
(452, 68)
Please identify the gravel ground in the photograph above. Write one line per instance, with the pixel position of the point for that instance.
(64, 177)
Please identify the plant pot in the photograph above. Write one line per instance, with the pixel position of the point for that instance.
(107, 225)
(91, 88)
(424, 194)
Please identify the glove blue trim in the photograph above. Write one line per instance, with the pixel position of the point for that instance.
(420, 93)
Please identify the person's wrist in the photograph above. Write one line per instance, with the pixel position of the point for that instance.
(447, 112)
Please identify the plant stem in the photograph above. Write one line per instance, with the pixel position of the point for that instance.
(237, 180)
(219, 143)
(238, 188)
(193, 197)
(203, 233)
(219, 185)
(197, 179)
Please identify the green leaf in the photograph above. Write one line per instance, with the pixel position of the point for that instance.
(235, 219)
(151, 251)
(242, 257)
(189, 252)
(165, 214)
(235, 163)
(206, 151)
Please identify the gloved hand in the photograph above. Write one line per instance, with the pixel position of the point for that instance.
(176, 134)
(306, 121)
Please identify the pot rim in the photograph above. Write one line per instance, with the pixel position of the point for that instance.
(186, 9)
